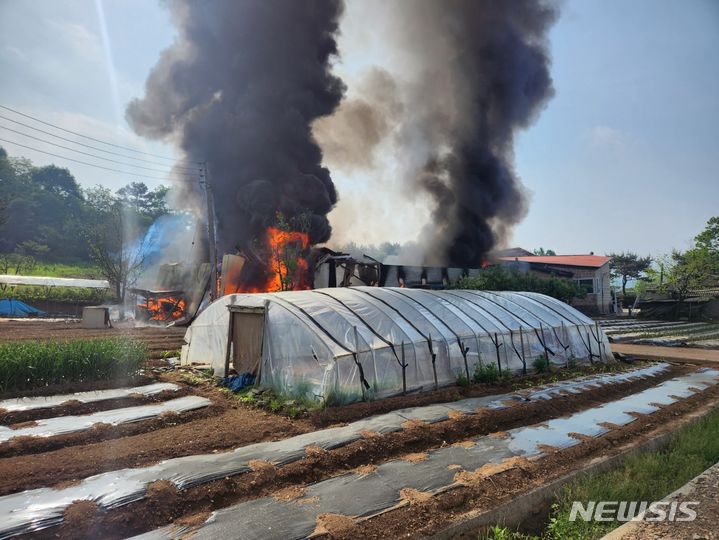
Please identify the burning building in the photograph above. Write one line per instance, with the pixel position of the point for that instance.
(245, 81)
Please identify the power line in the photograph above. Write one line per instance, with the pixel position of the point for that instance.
(84, 162)
(84, 153)
(86, 136)
(94, 147)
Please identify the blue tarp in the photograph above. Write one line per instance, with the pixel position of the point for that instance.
(9, 307)
(238, 382)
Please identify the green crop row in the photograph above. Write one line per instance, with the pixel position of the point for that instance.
(33, 364)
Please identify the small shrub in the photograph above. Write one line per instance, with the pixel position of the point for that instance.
(572, 362)
(541, 363)
(462, 380)
(486, 373)
(33, 364)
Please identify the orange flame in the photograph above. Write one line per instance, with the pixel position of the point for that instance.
(164, 308)
(286, 270)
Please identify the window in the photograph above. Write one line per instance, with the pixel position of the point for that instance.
(586, 284)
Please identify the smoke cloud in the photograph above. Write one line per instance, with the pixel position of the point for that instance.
(469, 74)
(239, 89)
(350, 137)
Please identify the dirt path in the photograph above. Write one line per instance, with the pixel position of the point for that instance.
(672, 354)
(13, 330)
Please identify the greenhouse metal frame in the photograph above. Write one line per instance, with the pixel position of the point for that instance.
(347, 344)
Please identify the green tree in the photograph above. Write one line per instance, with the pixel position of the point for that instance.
(628, 265)
(707, 246)
(57, 180)
(499, 278)
(117, 247)
(144, 202)
(542, 252)
(686, 272)
(709, 238)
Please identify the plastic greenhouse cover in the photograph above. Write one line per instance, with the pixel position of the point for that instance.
(45, 402)
(363, 495)
(61, 425)
(348, 342)
(40, 508)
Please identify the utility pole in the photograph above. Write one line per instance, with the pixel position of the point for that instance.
(209, 197)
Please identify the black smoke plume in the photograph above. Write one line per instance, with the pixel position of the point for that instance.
(484, 70)
(467, 75)
(239, 89)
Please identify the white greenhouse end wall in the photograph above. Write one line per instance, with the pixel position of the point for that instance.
(346, 344)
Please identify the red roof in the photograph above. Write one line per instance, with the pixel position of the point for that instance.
(590, 261)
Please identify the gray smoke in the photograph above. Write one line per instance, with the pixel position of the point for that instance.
(349, 138)
(469, 74)
(485, 74)
(239, 89)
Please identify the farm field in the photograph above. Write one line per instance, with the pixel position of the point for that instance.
(161, 452)
(662, 333)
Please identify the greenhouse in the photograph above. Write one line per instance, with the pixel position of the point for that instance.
(349, 344)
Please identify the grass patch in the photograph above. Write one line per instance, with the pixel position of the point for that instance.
(34, 364)
(646, 477)
(85, 270)
(296, 405)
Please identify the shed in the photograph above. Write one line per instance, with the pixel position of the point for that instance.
(346, 344)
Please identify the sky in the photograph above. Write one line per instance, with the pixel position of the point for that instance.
(624, 157)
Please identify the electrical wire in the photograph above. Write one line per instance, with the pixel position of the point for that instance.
(85, 153)
(88, 137)
(142, 175)
(95, 147)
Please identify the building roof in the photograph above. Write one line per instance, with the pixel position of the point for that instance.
(588, 261)
(513, 252)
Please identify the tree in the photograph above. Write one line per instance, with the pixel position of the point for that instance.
(143, 201)
(117, 248)
(56, 180)
(709, 238)
(542, 252)
(707, 245)
(626, 266)
(498, 278)
(686, 272)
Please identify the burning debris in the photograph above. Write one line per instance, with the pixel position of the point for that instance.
(160, 306)
(244, 82)
(239, 89)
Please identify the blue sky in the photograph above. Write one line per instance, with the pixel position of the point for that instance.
(626, 155)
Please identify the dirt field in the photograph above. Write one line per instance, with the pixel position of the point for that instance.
(672, 354)
(227, 424)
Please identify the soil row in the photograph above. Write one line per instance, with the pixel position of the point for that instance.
(166, 504)
(77, 408)
(426, 517)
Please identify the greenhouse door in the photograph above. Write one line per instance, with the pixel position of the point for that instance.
(246, 331)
